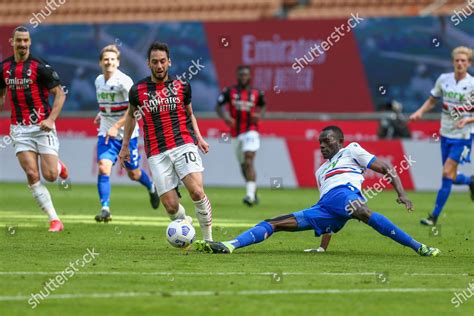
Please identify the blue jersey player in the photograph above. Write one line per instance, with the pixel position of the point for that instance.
(456, 89)
(112, 95)
(339, 180)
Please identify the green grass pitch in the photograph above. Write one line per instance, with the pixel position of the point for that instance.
(138, 273)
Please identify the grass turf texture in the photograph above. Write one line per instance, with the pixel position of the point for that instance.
(368, 274)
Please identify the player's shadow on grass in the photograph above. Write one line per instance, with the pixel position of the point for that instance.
(332, 253)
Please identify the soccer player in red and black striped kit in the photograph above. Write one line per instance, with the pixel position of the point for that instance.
(171, 136)
(246, 106)
(29, 81)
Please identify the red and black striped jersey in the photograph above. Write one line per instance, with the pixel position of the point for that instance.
(162, 106)
(28, 83)
(242, 105)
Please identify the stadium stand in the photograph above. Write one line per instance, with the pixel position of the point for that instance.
(88, 11)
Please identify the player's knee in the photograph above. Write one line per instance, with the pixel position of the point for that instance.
(104, 169)
(171, 205)
(32, 175)
(197, 194)
(447, 173)
(50, 175)
(248, 162)
(134, 175)
(362, 213)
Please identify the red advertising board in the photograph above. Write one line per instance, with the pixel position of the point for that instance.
(279, 53)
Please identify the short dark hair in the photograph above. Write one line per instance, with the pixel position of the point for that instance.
(20, 28)
(158, 46)
(336, 130)
(242, 67)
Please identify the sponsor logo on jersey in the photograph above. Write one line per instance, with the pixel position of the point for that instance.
(454, 95)
(106, 96)
(18, 83)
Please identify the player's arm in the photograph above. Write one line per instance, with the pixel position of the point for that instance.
(3, 90)
(201, 143)
(464, 121)
(2, 98)
(129, 126)
(114, 129)
(58, 103)
(97, 119)
(325, 239)
(429, 104)
(391, 175)
(49, 78)
(222, 100)
(260, 110)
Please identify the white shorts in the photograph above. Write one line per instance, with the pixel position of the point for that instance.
(169, 167)
(249, 141)
(31, 138)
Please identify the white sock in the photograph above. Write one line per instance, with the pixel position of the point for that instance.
(152, 190)
(251, 188)
(43, 198)
(180, 214)
(204, 216)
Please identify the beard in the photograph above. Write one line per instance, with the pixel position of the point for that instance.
(22, 50)
(160, 76)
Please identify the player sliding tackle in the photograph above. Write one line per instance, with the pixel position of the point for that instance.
(171, 134)
(339, 180)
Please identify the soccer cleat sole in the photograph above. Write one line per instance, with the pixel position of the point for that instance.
(100, 219)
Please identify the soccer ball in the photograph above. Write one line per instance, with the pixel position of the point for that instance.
(180, 233)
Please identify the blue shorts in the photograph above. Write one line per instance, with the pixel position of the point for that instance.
(458, 150)
(331, 212)
(111, 150)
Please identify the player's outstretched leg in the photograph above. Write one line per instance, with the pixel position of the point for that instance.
(385, 227)
(142, 177)
(254, 235)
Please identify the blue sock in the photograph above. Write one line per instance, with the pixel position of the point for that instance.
(385, 227)
(442, 196)
(145, 180)
(462, 179)
(254, 235)
(103, 185)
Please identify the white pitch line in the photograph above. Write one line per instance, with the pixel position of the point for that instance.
(168, 273)
(232, 293)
